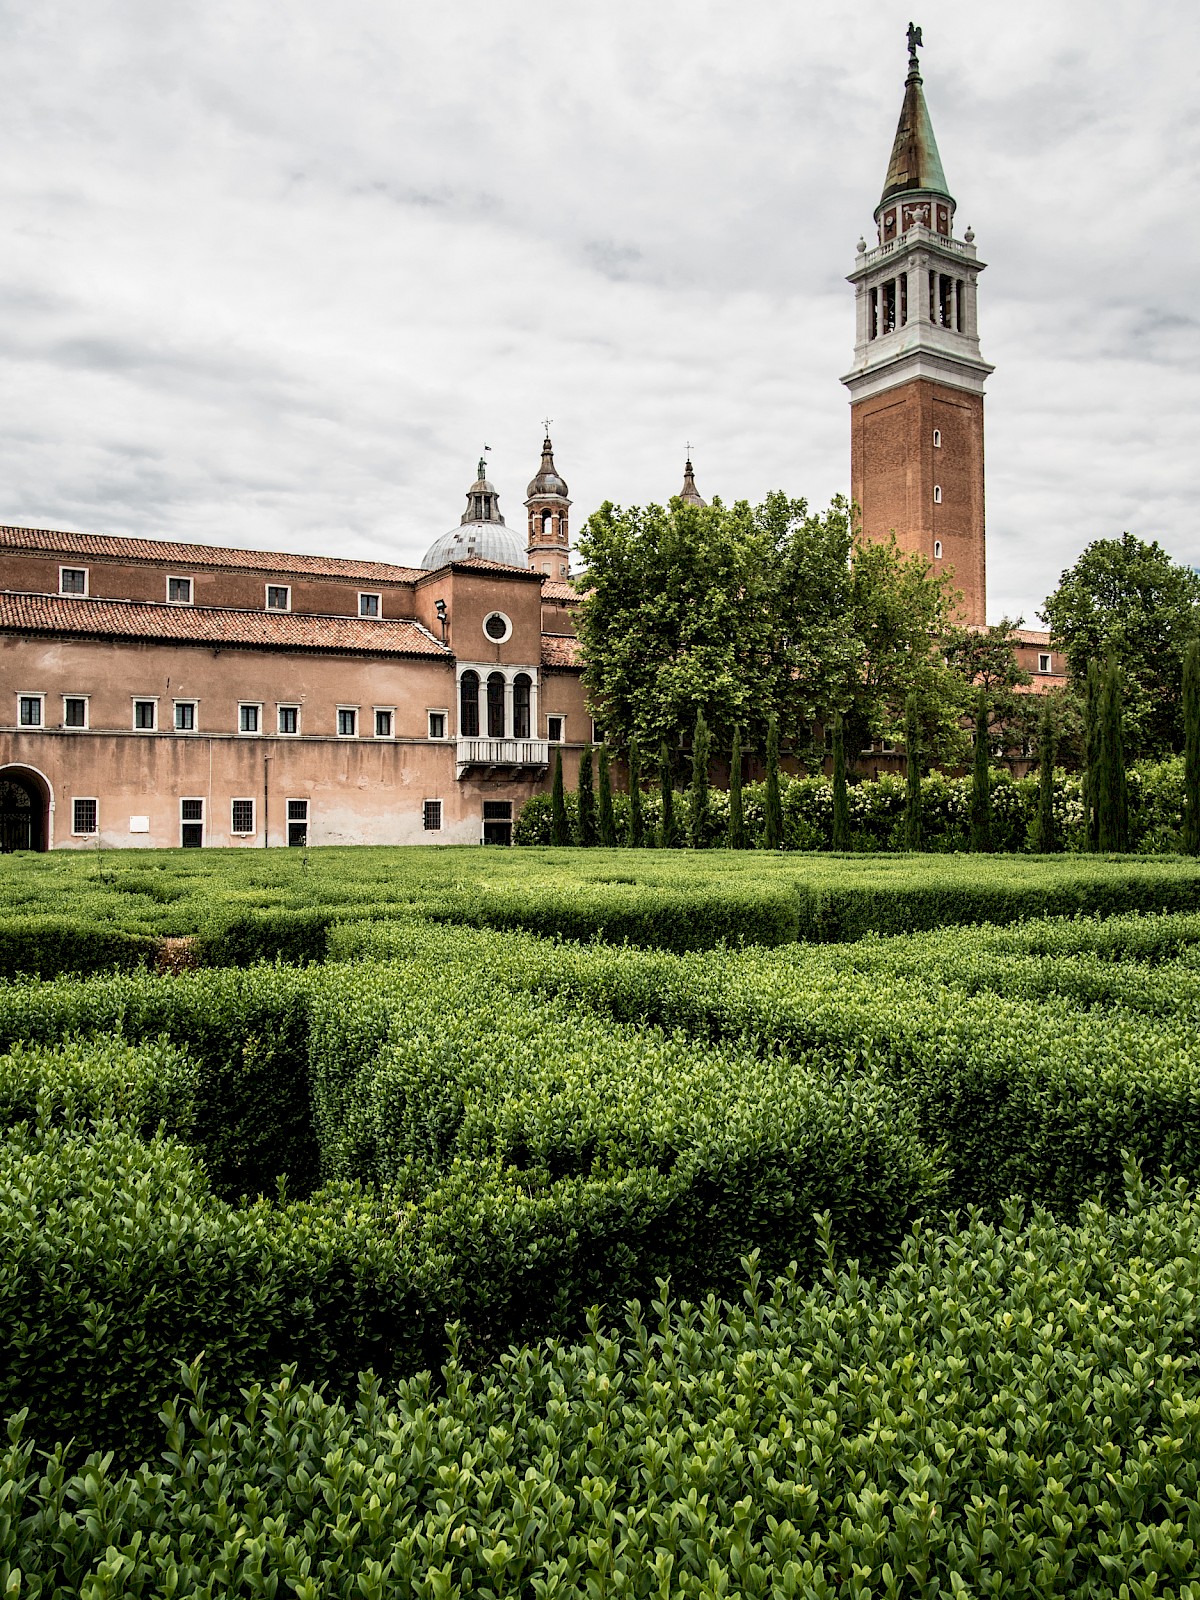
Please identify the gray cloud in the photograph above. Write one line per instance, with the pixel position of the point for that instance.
(273, 277)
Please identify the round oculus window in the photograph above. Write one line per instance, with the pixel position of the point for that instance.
(497, 626)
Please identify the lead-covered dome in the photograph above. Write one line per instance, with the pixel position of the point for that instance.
(482, 532)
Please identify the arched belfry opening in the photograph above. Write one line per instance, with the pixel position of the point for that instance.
(24, 810)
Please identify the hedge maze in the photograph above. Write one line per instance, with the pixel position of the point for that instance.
(807, 1232)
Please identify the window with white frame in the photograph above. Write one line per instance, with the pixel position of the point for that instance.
(249, 716)
(297, 823)
(554, 730)
(597, 732)
(75, 711)
(145, 715)
(191, 823)
(72, 580)
(433, 816)
(289, 720)
(937, 549)
(385, 717)
(347, 722)
(185, 716)
(1045, 662)
(241, 819)
(279, 597)
(85, 815)
(179, 591)
(437, 724)
(937, 494)
(937, 438)
(31, 710)
(370, 605)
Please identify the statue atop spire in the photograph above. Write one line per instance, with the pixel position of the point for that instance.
(915, 43)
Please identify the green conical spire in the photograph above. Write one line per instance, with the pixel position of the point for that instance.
(915, 162)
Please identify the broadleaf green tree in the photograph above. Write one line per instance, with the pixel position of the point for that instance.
(1128, 599)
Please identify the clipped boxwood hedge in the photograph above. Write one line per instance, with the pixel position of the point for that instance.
(1011, 1411)
(40, 946)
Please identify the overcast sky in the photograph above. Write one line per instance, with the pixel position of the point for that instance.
(273, 274)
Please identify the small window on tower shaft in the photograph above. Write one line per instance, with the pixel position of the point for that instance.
(937, 494)
(937, 438)
(937, 549)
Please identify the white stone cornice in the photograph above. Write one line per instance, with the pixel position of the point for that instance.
(956, 372)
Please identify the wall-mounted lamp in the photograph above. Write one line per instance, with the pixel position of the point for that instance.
(440, 607)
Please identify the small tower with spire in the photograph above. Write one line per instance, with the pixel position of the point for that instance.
(689, 494)
(549, 548)
(916, 386)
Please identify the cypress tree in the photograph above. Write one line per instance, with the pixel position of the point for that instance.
(737, 816)
(1191, 748)
(841, 801)
(1112, 797)
(981, 788)
(774, 828)
(1045, 840)
(912, 761)
(560, 828)
(637, 827)
(587, 800)
(701, 742)
(666, 835)
(608, 826)
(1091, 754)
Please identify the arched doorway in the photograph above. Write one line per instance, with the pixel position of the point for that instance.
(24, 810)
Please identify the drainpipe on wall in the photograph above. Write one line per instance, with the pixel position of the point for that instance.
(266, 803)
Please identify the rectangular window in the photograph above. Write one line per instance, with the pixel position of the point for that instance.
(191, 824)
(1044, 663)
(248, 718)
(554, 729)
(185, 716)
(29, 710)
(347, 722)
(437, 724)
(597, 732)
(370, 605)
(289, 719)
(241, 817)
(433, 816)
(297, 823)
(383, 722)
(279, 597)
(84, 815)
(75, 711)
(72, 580)
(145, 715)
(179, 591)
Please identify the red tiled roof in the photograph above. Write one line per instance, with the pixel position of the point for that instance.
(559, 589)
(1033, 636)
(110, 547)
(561, 650)
(266, 630)
(482, 564)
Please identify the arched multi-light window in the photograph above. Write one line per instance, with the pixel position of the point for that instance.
(522, 684)
(468, 705)
(547, 524)
(495, 705)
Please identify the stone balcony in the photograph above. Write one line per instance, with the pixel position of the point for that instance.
(515, 755)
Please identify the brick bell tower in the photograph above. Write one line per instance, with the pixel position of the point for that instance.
(916, 387)
(549, 548)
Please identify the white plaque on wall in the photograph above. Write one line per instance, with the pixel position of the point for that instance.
(139, 824)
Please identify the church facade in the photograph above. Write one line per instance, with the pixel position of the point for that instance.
(157, 694)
